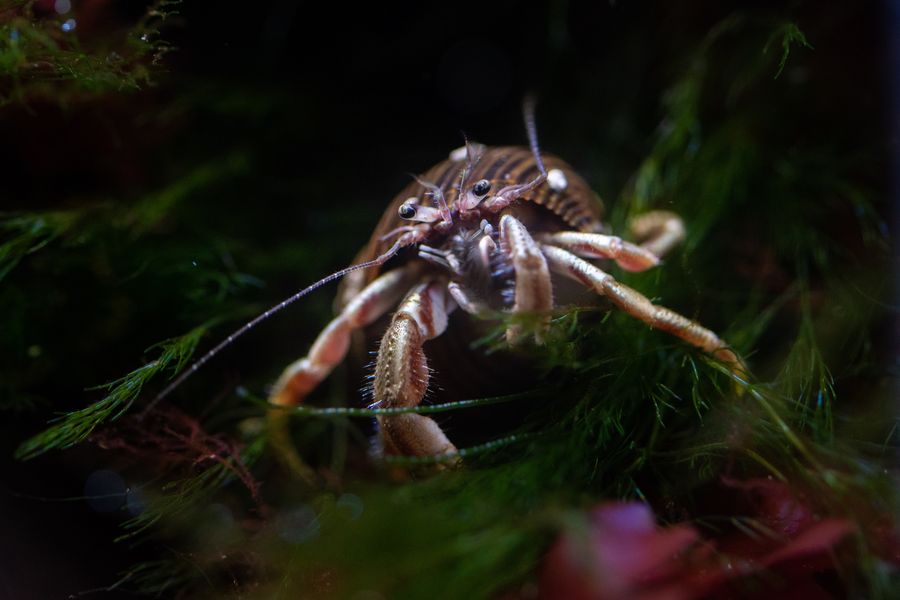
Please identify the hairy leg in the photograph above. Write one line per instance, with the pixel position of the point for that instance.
(302, 376)
(401, 372)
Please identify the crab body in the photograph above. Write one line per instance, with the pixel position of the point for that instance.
(482, 232)
(566, 203)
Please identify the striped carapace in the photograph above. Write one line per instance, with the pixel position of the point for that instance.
(565, 202)
(571, 200)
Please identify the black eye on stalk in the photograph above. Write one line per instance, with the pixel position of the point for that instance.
(407, 211)
(481, 188)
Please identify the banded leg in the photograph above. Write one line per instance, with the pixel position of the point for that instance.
(596, 245)
(401, 372)
(302, 376)
(658, 231)
(534, 291)
(639, 306)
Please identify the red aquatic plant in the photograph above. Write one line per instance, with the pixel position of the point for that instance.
(779, 548)
(169, 438)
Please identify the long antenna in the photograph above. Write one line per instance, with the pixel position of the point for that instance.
(528, 109)
(260, 318)
(473, 157)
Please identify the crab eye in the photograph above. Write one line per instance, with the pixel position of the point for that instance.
(407, 211)
(481, 188)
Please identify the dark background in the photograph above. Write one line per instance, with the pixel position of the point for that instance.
(323, 109)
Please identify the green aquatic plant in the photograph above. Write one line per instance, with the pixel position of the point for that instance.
(76, 426)
(41, 56)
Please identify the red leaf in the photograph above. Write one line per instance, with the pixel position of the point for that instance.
(622, 553)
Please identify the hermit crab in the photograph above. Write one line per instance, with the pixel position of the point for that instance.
(486, 230)
(489, 230)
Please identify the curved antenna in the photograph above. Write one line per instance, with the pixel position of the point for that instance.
(528, 109)
(464, 172)
(511, 193)
(380, 260)
(474, 153)
(437, 194)
(473, 157)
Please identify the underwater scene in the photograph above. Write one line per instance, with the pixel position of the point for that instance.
(502, 300)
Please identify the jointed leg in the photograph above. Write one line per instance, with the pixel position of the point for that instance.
(637, 305)
(658, 231)
(401, 372)
(299, 378)
(302, 376)
(466, 301)
(534, 291)
(596, 245)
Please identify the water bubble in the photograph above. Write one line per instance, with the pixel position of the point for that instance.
(105, 491)
(299, 525)
(693, 147)
(352, 504)
(251, 426)
(62, 6)
(134, 502)
(68, 25)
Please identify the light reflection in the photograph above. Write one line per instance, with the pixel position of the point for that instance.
(134, 502)
(352, 504)
(62, 6)
(105, 491)
(299, 525)
(68, 25)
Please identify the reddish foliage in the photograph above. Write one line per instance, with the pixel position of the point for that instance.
(171, 439)
(621, 555)
(624, 554)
